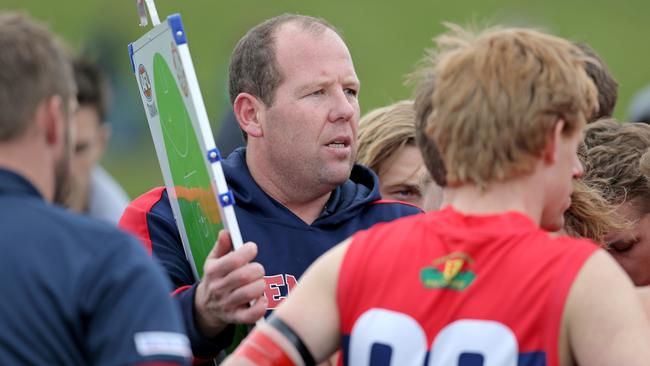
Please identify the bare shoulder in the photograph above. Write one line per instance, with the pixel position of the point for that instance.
(604, 318)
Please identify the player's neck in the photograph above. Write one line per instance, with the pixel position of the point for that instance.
(515, 195)
(22, 158)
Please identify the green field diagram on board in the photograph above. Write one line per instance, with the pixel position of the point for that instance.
(191, 180)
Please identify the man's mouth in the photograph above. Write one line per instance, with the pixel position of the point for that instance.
(339, 143)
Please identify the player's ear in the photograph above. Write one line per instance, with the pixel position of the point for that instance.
(551, 153)
(248, 109)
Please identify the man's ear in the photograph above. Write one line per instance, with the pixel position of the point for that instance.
(50, 117)
(551, 153)
(248, 109)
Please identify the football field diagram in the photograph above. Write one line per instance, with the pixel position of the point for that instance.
(192, 182)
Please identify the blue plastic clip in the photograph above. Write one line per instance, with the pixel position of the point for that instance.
(226, 199)
(214, 155)
(176, 25)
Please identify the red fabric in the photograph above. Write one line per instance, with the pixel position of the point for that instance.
(181, 289)
(260, 349)
(522, 275)
(134, 218)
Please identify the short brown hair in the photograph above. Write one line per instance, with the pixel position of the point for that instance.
(92, 87)
(616, 159)
(33, 67)
(605, 83)
(253, 66)
(383, 131)
(496, 98)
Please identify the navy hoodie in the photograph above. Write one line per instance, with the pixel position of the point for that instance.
(286, 244)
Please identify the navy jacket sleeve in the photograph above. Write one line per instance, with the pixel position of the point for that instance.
(129, 316)
(150, 218)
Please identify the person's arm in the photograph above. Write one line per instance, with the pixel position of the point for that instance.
(311, 312)
(128, 316)
(232, 288)
(644, 295)
(209, 308)
(604, 318)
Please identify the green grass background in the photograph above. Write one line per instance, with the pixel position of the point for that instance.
(386, 39)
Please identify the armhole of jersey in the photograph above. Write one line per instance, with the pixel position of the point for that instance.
(134, 218)
(564, 279)
(348, 270)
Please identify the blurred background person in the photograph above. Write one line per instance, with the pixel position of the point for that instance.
(94, 191)
(590, 214)
(613, 157)
(387, 146)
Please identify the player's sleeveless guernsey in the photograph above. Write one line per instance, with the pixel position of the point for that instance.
(449, 289)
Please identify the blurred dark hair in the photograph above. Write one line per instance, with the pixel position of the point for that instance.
(92, 87)
(604, 80)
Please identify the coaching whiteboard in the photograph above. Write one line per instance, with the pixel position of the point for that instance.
(189, 161)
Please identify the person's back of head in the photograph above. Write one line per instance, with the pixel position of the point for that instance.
(612, 153)
(33, 68)
(37, 92)
(497, 97)
(616, 159)
(604, 81)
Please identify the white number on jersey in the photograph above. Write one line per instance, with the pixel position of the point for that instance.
(464, 341)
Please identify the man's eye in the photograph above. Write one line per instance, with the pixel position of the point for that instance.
(351, 92)
(405, 194)
(317, 92)
(81, 148)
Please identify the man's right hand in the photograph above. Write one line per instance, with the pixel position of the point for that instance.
(230, 283)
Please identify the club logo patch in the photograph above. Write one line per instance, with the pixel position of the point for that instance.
(452, 271)
(145, 82)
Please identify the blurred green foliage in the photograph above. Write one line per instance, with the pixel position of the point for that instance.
(386, 39)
